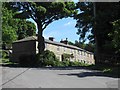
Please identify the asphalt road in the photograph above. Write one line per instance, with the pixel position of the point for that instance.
(55, 78)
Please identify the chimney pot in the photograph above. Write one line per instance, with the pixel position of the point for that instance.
(64, 41)
(51, 38)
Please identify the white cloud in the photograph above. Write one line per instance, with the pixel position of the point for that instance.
(69, 23)
(66, 24)
(51, 34)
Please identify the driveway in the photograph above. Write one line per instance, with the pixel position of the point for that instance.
(55, 78)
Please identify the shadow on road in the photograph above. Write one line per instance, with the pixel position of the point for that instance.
(45, 67)
(90, 73)
(90, 70)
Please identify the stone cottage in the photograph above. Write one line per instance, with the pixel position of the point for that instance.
(29, 46)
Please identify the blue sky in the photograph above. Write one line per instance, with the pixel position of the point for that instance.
(62, 29)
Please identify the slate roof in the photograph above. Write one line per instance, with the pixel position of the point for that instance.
(34, 38)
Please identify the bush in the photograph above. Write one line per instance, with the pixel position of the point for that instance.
(5, 54)
(77, 63)
(3, 60)
(47, 58)
(65, 63)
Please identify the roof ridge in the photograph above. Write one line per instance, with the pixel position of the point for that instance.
(49, 41)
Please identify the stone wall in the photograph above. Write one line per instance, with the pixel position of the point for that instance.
(81, 56)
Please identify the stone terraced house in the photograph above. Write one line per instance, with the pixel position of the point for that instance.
(29, 46)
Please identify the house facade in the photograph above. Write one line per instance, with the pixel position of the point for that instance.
(29, 46)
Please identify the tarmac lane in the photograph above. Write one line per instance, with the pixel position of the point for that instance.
(55, 78)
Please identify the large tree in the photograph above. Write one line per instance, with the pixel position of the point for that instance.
(13, 29)
(8, 30)
(115, 34)
(25, 29)
(44, 13)
(96, 18)
(89, 46)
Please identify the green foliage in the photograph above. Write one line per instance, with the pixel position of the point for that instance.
(89, 46)
(115, 34)
(8, 32)
(79, 44)
(77, 63)
(84, 19)
(5, 54)
(65, 63)
(67, 56)
(44, 13)
(94, 23)
(4, 57)
(13, 29)
(25, 29)
(4, 60)
(47, 58)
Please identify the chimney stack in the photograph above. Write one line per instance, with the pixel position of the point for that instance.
(51, 38)
(64, 41)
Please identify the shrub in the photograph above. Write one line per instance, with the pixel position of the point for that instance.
(77, 63)
(47, 58)
(65, 63)
(67, 56)
(4, 54)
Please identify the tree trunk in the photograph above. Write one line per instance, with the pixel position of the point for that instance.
(95, 36)
(41, 41)
(96, 51)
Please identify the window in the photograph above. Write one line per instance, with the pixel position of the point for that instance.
(74, 51)
(81, 52)
(84, 61)
(58, 48)
(84, 53)
(88, 54)
(78, 52)
(92, 56)
(64, 49)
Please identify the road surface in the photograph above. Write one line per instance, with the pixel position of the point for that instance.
(55, 78)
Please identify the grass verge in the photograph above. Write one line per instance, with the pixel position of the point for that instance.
(113, 71)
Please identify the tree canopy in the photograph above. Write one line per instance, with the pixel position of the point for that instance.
(89, 46)
(13, 29)
(44, 13)
(115, 34)
(97, 18)
(8, 29)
